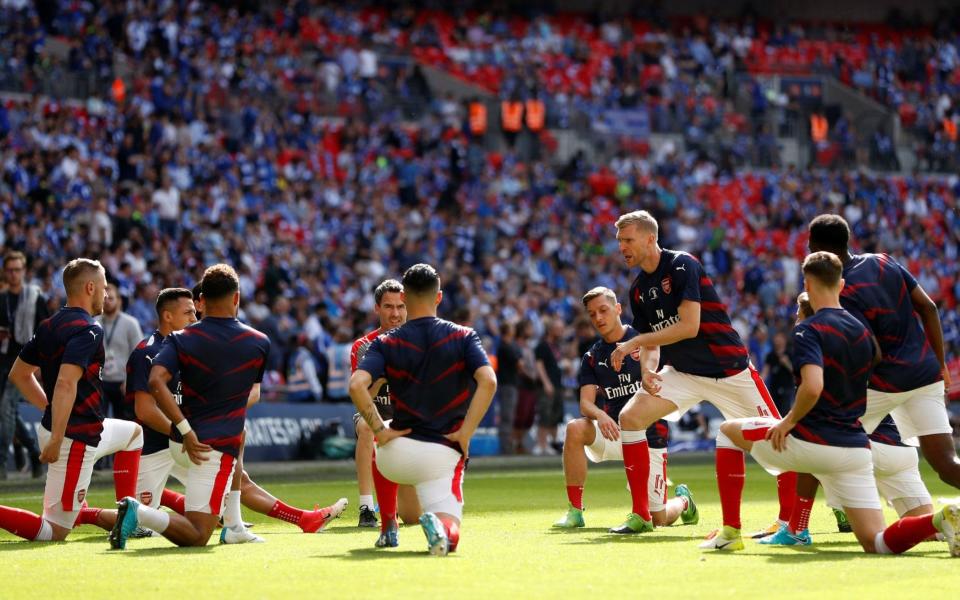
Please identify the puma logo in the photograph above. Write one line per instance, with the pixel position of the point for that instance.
(799, 334)
(150, 359)
(93, 333)
(682, 268)
(603, 363)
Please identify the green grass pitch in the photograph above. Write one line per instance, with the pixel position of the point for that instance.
(507, 550)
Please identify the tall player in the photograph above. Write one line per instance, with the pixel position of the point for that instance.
(431, 366)
(909, 382)
(895, 467)
(67, 349)
(392, 313)
(822, 434)
(219, 361)
(681, 320)
(596, 435)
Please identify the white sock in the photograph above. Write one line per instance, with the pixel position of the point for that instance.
(629, 436)
(46, 532)
(366, 500)
(231, 512)
(152, 518)
(881, 545)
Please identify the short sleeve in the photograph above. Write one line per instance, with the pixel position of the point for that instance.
(685, 275)
(908, 277)
(473, 353)
(373, 361)
(587, 375)
(806, 347)
(139, 371)
(169, 357)
(29, 353)
(82, 346)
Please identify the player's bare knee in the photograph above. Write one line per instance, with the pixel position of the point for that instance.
(659, 518)
(59, 533)
(576, 429)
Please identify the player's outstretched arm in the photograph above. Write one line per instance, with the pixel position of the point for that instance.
(146, 409)
(486, 380)
(686, 327)
(811, 386)
(930, 317)
(22, 376)
(159, 376)
(64, 396)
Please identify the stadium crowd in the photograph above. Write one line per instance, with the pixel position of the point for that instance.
(196, 163)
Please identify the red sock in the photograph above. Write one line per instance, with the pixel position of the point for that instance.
(787, 492)
(453, 532)
(731, 472)
(800, 517)
(285, 512)
(636, 462)
(575, 496)
(87, 516)
(174, 501)
(908, 532)
(386, 497)
(126, 464)
(21, 523)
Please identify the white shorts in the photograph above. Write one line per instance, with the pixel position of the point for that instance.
(739, 396)
(118, 436)
(155, 470)
(898, 477)
(846, 474)
(603, 449)
(68, 479)
(434, 470)
(207, 483)
(922, 411)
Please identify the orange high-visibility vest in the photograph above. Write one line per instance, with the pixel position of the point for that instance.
(536, 115)
(478, 118)
(818, 128)
(511, 115)
(951, 128)
(118, 90)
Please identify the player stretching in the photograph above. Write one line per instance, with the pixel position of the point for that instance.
(680, 317)
(219, 361)
(431, 365)
(391, 313)
(596, 435)
(909, 382)
(67, 349)
(895, 467)
(822, 434)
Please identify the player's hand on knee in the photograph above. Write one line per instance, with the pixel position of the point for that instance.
(387, 435)
(195, 450)
(777, 435)
(651, 382)
(608, 428)
(51, 452)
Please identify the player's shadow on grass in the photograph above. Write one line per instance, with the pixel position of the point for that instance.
(169, 550)
(577, 530)
(364, 554)
(613, 538)
(21, 545)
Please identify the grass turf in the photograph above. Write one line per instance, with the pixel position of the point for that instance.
(507, 550)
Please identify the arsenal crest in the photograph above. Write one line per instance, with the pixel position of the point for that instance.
(666, 285)
(146, 498)
(81, 494)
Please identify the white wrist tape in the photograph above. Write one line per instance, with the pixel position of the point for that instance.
(184, 427)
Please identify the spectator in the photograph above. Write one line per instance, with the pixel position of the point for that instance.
(508, 379)
(121, 334)
(550, 403)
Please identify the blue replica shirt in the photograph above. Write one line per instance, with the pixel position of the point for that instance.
(655, 298)
(836, 341)
(71, 337)
(429, 364)
(877, 292)
(887, 433)
(616, 389)
(218, 361)
(138, 375)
